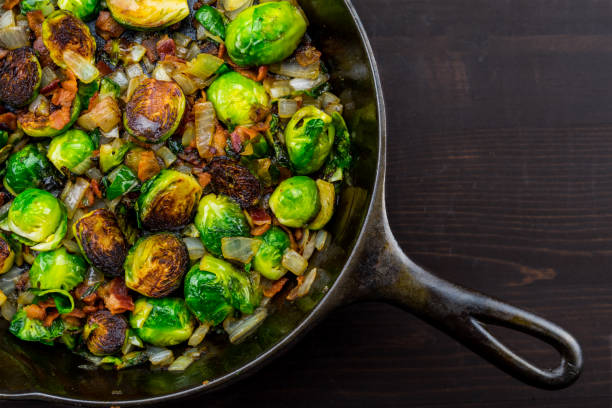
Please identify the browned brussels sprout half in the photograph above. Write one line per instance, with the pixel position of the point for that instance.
(20, 77)
(101, 241)
(104, 333)
(156, 264)
(154, 111)
(148, 14)
(168, 200)
(236, 181)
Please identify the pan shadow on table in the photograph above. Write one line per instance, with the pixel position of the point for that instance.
(499, 178)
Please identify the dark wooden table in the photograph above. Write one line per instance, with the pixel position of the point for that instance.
(500, 178)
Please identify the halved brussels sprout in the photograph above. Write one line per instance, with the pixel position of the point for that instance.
(213, 289)
(268, 260)
(101, 241)
(236, 98)
(70, 44)
(72, 150)
(86, 10)
(309, 137)
(45, 6)
(104, 333)
(327, 198)
(265, 34)
(28, 329)
(7, 255)
(154, 111)
(20, 77)
(162, 322)
(148, 14)
(38, 219)
(57, 269)
(156, 264)
(295, 201)
(42, 126)
(168, 200)
(219, 217)
(234, 180)
(30, 168)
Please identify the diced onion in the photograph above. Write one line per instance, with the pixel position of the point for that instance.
(294, 262)
(83, 68)
(166, 155)
(203, 65)
(187, 84)
(310, 246)
(9, 280)
(26, 298)
(299, 84)
(8, 310)
(39, 106)
(295, 70)
(239, 330)
(106, 115)
(48, 76)
(205, 123)
(2, 298)
(134, 71)
(239, 248)
(120, 79)
(195, 248)
(308, 100)
(160, 73)
(181, 363)
(14, 37)
(277, 88)
(136, 53)
(194, 51)
(111, 134)
(321, 240)
(7, 19)
(160, 356)
(181, 40)
(148, 65)
(188, 134)
(75, 195)
(302, 289)
(287, 108)
(198, 335)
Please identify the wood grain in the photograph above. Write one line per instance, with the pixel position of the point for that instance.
(500, 165)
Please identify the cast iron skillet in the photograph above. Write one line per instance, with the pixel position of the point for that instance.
(364, 262)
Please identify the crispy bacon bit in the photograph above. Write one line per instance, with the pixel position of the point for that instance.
(276, 287)
(96, 188)
(221, 51)
(261, 73)
(51, 86)
(8, 121)
(307, 55)
(115, 296)
(197, 5)
(151, 45)
(236, 142)
(88, 200)
(51, 316)
(35, 312)
(47, 303)
(107, 27)
(247, 73)
(77, 313)
(35, 20)
(90, 309)
(9, 4)
(204, 179)
(166, 46)
(260, 230)
(147, 165)
(103, 68)
(259, 216)
(43, 53)
(294, 292)
(220, 139)
(71, 321)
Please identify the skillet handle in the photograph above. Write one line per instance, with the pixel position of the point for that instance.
(385, 273)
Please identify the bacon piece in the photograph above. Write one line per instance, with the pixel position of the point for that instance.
(115, 296)
(51, 316)
(35, 20)
(77, 313)
(96, 188)
(43, 53)
(259, 216)
(166, 46)
(103, 68)
(220, 139)
(204, 179)
(71, 321)
(260, 230)
(90, 309)
(261, 73)
(35, 312)
(221, 51)
(148, 166)
(107, 27)
(9, 4)
(270, 291)
(47, 303)
(8, 121)
(151, 45)
(51, 86)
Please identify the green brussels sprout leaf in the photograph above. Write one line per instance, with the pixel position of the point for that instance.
(64, 301)
(45, 6)
(211, 20)
(162, 322)
(120, 181)
(28, 329)
(87, 91)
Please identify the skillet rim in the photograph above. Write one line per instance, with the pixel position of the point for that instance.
(330, 300)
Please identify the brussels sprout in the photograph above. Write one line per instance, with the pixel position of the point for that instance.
(154, 111)
(20, 77)
(162, 322)
(265, 34)
(57, 269)
(70, 44)
(101, 241)
(72, 150)
(219, 217)
(234, 180)
(148, 14)
(211, 20)
(213, 289)
(86, 10)
(168, 200)
(45, 6)
(41, 125)
(236, 98)
(104, 333)
(268, 260)
(309, 137)
(30, 168)
(156, 264)
(7, 255)
(28, 329)
(295, 201)
(38, 219)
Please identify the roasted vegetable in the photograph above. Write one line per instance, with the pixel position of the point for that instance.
(86, 10)
(234, 180)
(309, 137)
(57, 269)
(327, 198)
(101, 241)
(30, 168)
(120, 181)
(148, 14)
(211, 20)
(268, 260)
(104, 333)
(341, 158)
(236, 98)
(219, 217)
(156, 264)
(44, 125)
(168, 200)
(28, 329)
(7, 255)
(46, 7)
(265, 34)
(295, 201)
(154, 111)
(70, 44)
(72, 150)
(38, 219)
(213, 289)
(162, 322)
(20, 77)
